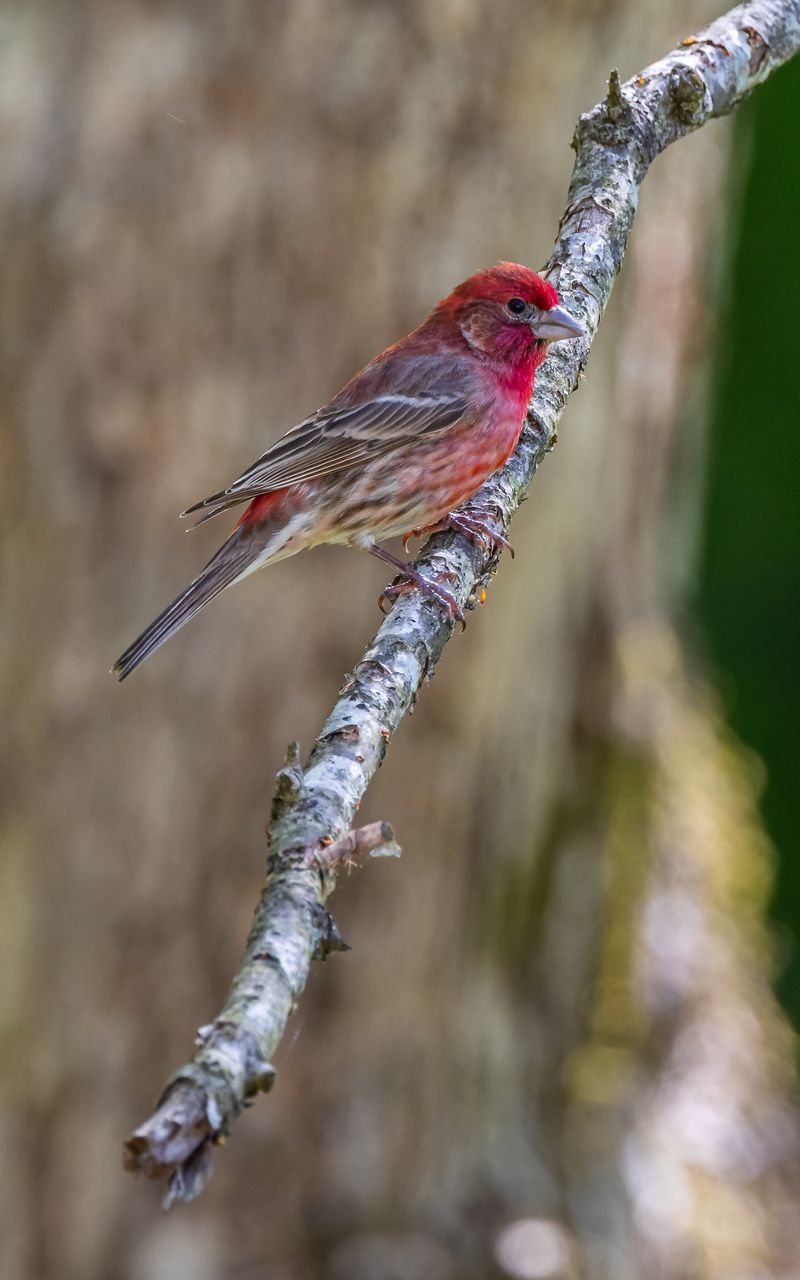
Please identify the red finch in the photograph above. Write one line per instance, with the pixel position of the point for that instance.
(404, 443)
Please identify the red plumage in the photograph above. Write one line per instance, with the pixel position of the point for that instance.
(405, 442)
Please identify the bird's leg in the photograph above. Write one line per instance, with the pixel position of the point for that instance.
(475, 527)
(415, 579)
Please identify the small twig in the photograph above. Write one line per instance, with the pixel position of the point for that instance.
(292, 927)
(615, 103)
(373, 841)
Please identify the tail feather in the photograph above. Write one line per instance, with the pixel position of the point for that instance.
(223, 569)
(209, 515)
(214, 506)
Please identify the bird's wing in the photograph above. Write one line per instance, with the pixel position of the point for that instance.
(343, 435)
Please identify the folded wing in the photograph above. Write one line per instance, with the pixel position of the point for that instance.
(341, 436)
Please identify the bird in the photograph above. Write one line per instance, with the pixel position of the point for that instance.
(398, 450)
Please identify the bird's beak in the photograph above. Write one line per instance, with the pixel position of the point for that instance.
(556, 324)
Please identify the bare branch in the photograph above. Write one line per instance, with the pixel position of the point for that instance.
(708, 75)
(291, 928)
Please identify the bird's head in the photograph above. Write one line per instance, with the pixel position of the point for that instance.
(510, 313)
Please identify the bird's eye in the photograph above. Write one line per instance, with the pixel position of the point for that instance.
(517, 306)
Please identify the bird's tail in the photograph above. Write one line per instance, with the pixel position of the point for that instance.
(233, 559)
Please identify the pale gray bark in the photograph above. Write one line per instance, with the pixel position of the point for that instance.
(707, 76)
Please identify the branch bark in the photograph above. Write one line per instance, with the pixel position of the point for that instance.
(707, 76)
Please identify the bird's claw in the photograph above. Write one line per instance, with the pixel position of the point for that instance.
(483, 532)
(478, 530)
(431, 589)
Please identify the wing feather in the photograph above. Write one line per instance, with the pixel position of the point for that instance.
(333, 440)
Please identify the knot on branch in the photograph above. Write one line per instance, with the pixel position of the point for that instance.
(328, 936)
(606, 123)
(616, 105)
(288, 784)
(690, 97)
(759, 48)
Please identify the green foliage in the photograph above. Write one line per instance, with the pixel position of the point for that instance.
(750, 578)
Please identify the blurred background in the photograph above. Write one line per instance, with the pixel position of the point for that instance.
(555, 1049)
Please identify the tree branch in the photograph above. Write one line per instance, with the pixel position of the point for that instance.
(708, 75)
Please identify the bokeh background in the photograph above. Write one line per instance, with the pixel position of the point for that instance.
(555, 1049)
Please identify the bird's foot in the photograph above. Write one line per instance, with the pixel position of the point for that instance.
(475, 527)
(413, 578)
(432, 590)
